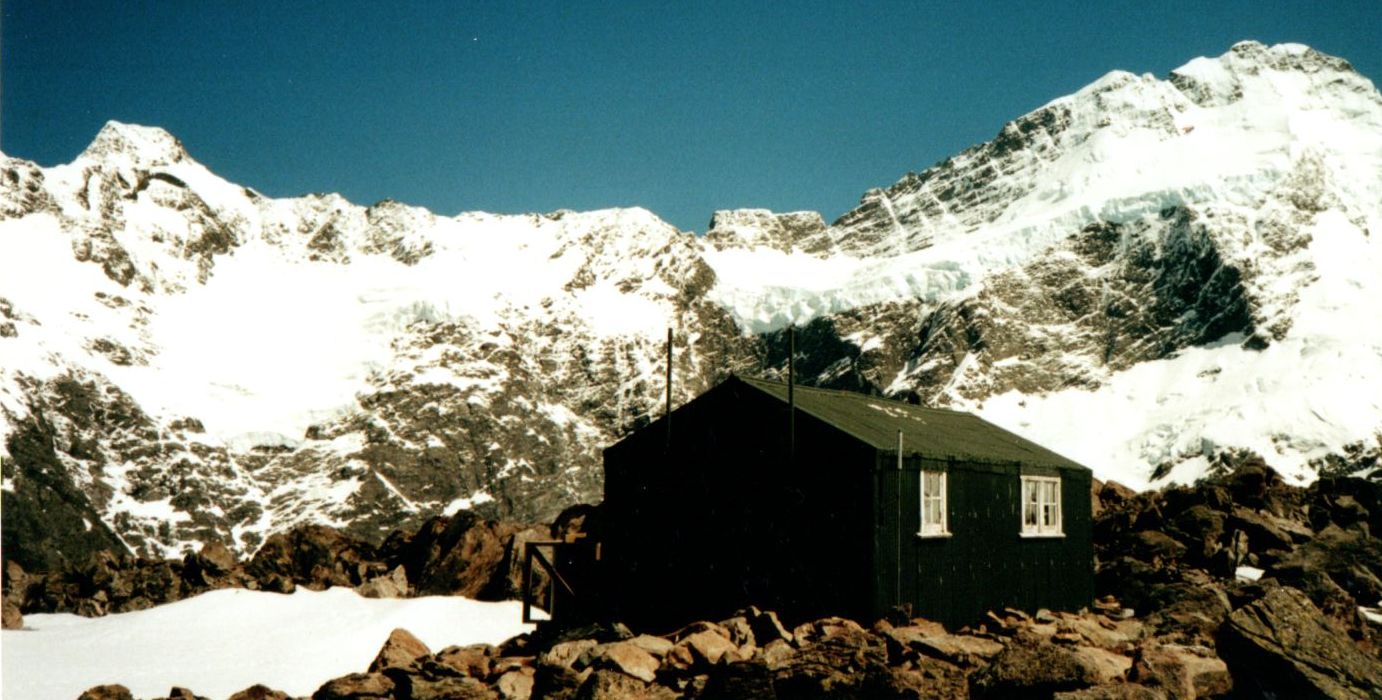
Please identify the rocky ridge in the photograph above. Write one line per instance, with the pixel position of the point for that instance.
(154, 400)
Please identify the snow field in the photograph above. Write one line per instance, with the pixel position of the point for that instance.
(222, 642)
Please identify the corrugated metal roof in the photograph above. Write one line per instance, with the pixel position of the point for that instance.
(928, 432)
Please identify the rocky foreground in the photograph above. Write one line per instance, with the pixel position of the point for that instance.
(1241, 586)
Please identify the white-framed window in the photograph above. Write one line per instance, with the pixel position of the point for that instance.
(1041, 506)
(933, 521)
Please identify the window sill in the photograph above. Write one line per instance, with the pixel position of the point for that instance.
(932, 535)
(1041, 535)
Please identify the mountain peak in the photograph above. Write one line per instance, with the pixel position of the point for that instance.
(146, 145)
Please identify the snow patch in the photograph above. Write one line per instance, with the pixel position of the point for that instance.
(221, 642)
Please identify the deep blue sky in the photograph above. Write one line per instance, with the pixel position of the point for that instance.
(680, 107)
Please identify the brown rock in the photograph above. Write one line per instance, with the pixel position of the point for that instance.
(1293, 650)
(106, 692)
(1030, 667)
(825, 628)
(475, 660)
(216, 559)
(1182, 672)
(356, 686)
(399, 651)
(449, 688)
(839, 663)
(1106, 666)
(1102, 632)
(515, 685)
(12, 619)
(1116, 691)
(183, 694)
(1113, 494)
(929, 678)
(740, 632)
(260, 692)
(565, 654)
(627, 657)
(704, 647)
(312, 555)
(657, 646)
(961, 650)
(612, 685)
(456, 555)
(556, 682)
(777, 652)
(391, 585)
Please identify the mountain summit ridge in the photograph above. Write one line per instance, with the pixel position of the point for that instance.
(1184, 262)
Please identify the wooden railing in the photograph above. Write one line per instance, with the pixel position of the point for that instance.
(533, 551)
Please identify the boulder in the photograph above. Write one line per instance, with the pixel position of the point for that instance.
(1106, 665)
(625, 657)
(657, 646)
(183, 694)
(444, 688)
(555, 682)
(837, 659)
(106, 692)
(927, 678)
(399, 651)
(12, 619)
(475, 660)
(515, 685)
(1288, 648)
(260, 692)
(704, 648)
(565, 654)
(391, 585)
(356, 686)
(1116, 691)
(613, 685)
(315, 556)
(809, 632)
(1182, 672)
(456, 555)
(739, 630)
(957, 649)
(739, 680)
(1031, 667)
(215, 560)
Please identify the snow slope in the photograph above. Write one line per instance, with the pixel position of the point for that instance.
(221, 642)
(1306, 396)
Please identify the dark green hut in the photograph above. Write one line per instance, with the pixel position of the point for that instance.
(874, 504)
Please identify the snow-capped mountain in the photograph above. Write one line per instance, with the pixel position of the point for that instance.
(1151, 276)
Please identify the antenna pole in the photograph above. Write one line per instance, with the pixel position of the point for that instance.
(669, 390)
(791, 395)
(897, 580)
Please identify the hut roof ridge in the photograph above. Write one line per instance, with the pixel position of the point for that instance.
(936, 433)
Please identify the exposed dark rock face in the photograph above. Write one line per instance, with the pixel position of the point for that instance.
(462, 555)
(49, 522)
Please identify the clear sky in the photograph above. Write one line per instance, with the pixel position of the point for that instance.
(680, 107)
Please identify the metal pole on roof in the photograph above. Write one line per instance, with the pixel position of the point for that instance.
(897, 579)
(791, 395)
(668, 414)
